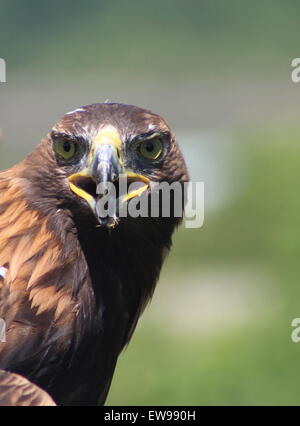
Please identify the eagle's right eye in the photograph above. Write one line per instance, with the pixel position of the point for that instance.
(65, 148)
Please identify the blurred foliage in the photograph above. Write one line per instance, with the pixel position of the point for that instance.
(161, 37)
(261, 222)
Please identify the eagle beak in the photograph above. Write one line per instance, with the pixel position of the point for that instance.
(105, 167)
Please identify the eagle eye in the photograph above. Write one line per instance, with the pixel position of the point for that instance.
(65, 148)
(151, 149)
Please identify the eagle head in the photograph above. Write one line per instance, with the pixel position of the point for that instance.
(102, 156)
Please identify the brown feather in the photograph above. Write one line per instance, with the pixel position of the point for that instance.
(15, 391)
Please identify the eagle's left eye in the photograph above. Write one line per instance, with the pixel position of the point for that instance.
(151, 148)
(65, 148)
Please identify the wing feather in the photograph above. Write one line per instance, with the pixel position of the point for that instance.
(15, 390)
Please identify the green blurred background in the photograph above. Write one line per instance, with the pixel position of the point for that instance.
(218, 330)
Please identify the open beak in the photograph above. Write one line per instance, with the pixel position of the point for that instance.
(105, 175)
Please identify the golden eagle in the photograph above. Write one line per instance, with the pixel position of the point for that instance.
(73, 282)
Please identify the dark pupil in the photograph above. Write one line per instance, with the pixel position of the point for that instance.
(150, 147)
(67, 146)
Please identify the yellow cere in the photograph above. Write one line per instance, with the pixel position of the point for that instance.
(108, 135)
